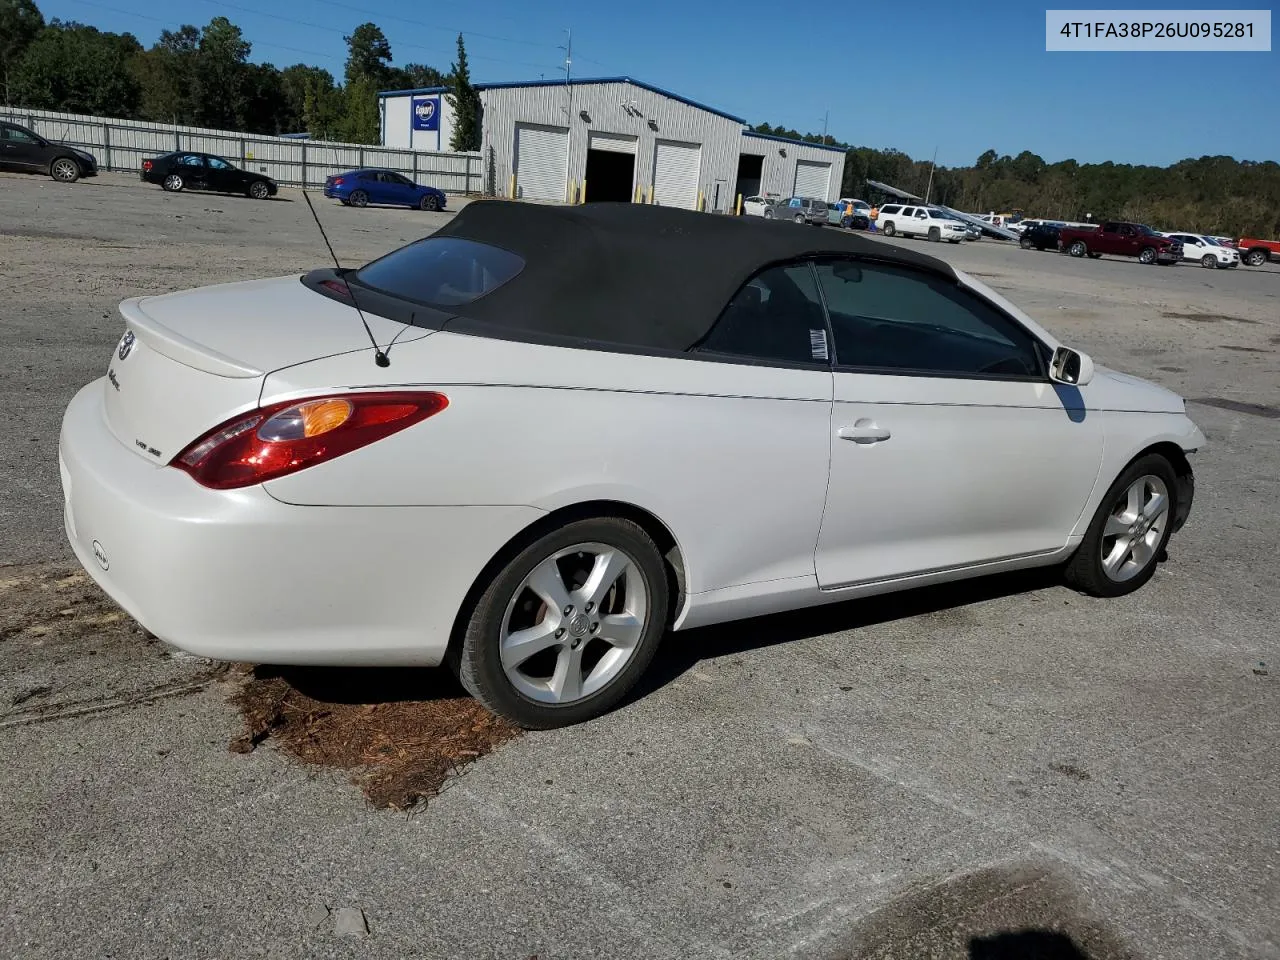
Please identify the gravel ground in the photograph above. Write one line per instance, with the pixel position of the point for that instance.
(968, 772)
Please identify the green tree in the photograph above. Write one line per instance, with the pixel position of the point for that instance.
(20, 23)
(368, 56)
(166, 75)
(78, 69)
(221, 75)
(465, 101)
(361, 121)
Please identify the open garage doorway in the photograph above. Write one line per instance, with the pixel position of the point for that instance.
(611, 167)
(750, 173)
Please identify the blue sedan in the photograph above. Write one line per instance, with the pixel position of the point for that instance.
(359, 188)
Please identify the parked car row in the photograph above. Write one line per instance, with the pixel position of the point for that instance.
(24, 150)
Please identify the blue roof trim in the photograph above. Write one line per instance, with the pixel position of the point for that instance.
(511, 84)
(405, 93)
(798, 143)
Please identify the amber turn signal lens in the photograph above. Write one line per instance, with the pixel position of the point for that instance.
(310, 419)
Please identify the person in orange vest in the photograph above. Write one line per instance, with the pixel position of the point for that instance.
(874, 215)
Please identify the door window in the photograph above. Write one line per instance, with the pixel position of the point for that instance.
(776, 316)
(908, 211)
(14, 135)
(217, 163)
(191, 160)
(890, 319)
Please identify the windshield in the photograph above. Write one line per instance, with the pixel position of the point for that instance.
(1147, 231)
(1210, 241)
(441, 271)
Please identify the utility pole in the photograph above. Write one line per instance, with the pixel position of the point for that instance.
(568, 67)
(929, 189)
(825, 116)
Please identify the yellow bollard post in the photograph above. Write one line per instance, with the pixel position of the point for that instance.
(582, 197)
(739, 206)
(513, 186)
(651, 193)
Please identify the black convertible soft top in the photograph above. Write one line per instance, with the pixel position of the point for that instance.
(632, 275)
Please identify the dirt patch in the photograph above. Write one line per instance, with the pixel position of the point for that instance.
(1240, 406)
(1071, 770)
(1173, 369)
(54, 603)
(1226, 346)
(402, 734)
(1206, 317)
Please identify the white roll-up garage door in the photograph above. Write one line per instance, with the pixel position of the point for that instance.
(813, 179)
(613, 142)
(675, 173)
(542, 162)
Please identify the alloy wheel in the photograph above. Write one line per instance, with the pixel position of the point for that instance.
(173, 182)
(65, 170)
(574, 623)
(258, 190)
(1133, 531)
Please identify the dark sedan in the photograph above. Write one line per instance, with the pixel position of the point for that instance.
(186, 170)
(359, 188)
(26, 151)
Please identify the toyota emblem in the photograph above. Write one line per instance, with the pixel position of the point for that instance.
(126, 344)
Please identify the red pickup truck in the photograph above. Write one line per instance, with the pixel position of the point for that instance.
(1257, 252)
(1120, 239)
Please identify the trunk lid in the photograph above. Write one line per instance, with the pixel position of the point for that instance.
(189, 360)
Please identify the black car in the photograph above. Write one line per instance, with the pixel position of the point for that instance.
(1041, 236)
(25, 150)
(859, 221)
(186, 170)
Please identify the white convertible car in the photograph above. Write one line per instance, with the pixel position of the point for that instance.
(580, 428)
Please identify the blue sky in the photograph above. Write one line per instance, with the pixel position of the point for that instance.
(885, 77)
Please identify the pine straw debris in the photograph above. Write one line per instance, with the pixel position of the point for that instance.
(402, 739)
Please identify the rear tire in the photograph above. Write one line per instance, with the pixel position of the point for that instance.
(359, 198)
(537, 692)
(64, 170)
(1255, 258)
(173, 183)
(1106, 564)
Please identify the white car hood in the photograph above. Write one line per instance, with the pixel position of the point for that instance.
(250, 328)
(1111, 390)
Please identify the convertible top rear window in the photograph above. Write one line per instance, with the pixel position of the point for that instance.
(441, 271)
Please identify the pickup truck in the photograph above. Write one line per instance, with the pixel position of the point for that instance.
(1257, 252)
(1120, 239)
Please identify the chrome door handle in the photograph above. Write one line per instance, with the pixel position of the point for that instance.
(864, 431)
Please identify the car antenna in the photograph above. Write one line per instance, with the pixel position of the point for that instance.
(380, 356)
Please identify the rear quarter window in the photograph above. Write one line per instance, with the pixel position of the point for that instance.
(441, 271)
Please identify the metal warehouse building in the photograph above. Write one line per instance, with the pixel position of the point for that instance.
(615, 139)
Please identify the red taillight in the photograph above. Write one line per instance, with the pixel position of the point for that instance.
(338, 181)
(285, 437)
(146, 165)
(339, 287)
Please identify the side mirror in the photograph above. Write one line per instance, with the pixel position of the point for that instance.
(1071, 367)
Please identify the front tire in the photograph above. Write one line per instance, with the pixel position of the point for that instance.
(1025, 243)
(890, 229)
(935, 234)
(64, 170)
(259, 190)
(1078, 248)
(430, 203)
(565, 629)
(1147, 255)
(1129, 532)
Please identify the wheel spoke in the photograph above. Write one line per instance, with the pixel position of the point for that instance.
(566, 682)
(1113, 561)
(519, 646)
(621, 630)
(1137, 497)
(1156, 506)
(547, 583)
(1142, 552)
(1116, 526)
(609, 566)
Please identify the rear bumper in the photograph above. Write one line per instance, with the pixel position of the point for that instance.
(238, 575)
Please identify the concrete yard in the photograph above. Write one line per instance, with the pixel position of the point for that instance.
(950, 773)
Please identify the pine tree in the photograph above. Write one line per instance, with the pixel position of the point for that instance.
(465, 101)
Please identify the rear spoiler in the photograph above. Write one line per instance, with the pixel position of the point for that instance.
(177, 347)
